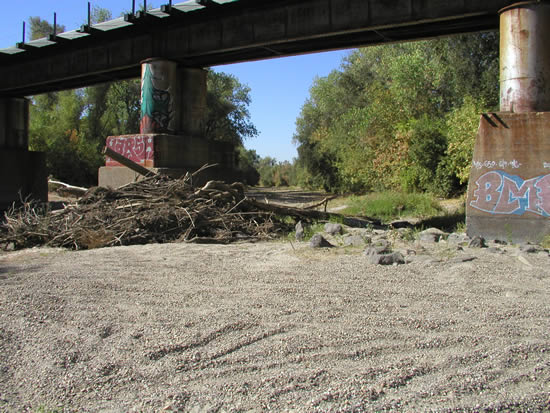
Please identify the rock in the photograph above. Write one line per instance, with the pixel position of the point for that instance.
(431, 235)
(457, 238)
(393, 258)
(477, 242)
(333, 229)
(317, 241)
(528, 248)
(354, 240)
(381, 246)
(299, 231)
(495, 250)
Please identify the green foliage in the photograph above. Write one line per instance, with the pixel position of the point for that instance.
(42, 28)
(273, 173)
(391, 205)
(426, 147)
(228, 118)
(381, 121)
(462, 124)
(248, 161)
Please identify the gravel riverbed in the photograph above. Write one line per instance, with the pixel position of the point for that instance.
(272, 326)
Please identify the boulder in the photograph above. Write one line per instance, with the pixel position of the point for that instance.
(333, 229)
(477, 242)
(317, 241)
(355, 240)
(431, 235)
(392, 258)
(457, 238)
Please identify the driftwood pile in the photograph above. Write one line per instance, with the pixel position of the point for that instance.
(157, 209)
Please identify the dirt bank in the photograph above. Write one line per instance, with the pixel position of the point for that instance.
(271, 326)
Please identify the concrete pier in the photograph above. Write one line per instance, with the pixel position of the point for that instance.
(509, 187)
(173, 108)
(22, 173)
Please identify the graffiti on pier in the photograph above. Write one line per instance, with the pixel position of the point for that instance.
(501, 193)
(156, 98)
(514, 164)
(136, 148)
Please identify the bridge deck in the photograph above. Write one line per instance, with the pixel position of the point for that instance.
(229, 31)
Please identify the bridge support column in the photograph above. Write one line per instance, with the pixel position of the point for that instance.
(173, 109)
(22, 173)
(509, 187)
(192, 100)
(173, 99)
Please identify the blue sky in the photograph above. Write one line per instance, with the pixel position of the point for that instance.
(279, 87)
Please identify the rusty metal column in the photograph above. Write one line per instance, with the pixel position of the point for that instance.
(159, 97)
(525, 57)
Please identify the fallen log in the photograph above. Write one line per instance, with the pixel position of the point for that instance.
(128, 163)
(313, 215)
(65, 189)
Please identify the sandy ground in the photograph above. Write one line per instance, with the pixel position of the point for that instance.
(271, 326)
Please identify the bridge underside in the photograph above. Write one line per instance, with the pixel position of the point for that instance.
(233, 32)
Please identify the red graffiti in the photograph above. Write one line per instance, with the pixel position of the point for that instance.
(487, 194)
(139, 149)
(501, 193)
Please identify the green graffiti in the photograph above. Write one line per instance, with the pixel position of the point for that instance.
(156, 110)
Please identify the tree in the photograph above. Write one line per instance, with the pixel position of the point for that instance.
(379, 121)
(39, 28)
(228, 118)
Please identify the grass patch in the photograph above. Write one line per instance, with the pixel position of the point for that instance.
(545, 243)
(387, 206)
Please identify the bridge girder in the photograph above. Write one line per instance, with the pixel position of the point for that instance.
(239, 31)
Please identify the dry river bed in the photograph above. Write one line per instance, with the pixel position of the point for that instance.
(271, 326)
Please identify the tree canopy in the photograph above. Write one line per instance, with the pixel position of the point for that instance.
(400, 116)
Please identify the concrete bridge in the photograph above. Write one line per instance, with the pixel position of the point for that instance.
(170, 46)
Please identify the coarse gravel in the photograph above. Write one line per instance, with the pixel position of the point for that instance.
(272, 326)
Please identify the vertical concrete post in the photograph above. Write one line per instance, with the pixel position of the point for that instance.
(22, 173)
(159, 102)
(173, 99)
(14, 123)
(192, 97)
(509, 187)
(525, 57)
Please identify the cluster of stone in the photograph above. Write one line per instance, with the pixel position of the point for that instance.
(396, 246)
